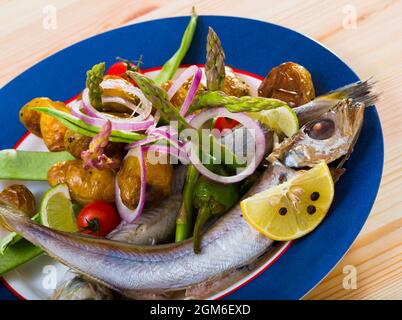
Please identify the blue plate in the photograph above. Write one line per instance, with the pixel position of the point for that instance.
(249, 45)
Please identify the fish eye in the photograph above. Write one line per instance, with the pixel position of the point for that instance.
(321, 129)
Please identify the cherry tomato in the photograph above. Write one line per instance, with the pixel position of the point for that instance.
(98, 218)
(117, 69)
(225, 123)
(120, 69)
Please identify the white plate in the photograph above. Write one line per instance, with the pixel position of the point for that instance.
(36, 279)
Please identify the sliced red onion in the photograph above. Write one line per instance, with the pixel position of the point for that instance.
(143, 142)
(167, 133)
(192, 71)
(123, 102)
(94, 156)
(128, 87)
(127, 214)
(155, 134)
(124, 124)
(247, 122)
(111, 83)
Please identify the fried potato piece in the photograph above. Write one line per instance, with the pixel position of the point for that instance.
(52, 130)
(20, 197)
(76, 143)
(159, 181)
(233, 85)
(85, 186)
(289, 82)
(31, 118)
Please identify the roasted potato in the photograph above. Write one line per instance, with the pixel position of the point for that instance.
(233, 85)
(31, 118)
(289, 82)
(85, 186)
(179, 97)
(75, 143)
(159, 180)
(118, 108)
(52, 130)
(20, 197)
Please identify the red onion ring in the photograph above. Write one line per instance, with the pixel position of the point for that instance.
(128, 87)
(144, 112)
(126, 124)
(155, 134)
(143, 142)
(192, 71)
(248, 123)
(125, 213)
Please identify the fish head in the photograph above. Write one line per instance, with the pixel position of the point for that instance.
(326, 138)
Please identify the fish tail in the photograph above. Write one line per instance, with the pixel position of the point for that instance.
(360, 91)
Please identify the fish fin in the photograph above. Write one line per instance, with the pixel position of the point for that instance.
(360, 91)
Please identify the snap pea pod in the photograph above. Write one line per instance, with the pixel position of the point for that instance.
(13, 238)
(77, 125)
(18, 254)
(171, 66)
(29, 165)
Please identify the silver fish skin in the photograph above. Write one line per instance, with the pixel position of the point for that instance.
(327, 138)
(156, 225)
(230, 243)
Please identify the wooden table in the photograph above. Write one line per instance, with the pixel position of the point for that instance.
(365, 33)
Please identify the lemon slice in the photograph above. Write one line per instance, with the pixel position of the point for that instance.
(56, 209)
(282, 120)
(292, 209)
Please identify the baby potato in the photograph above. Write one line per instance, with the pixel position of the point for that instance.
(52, 130)
(159, 180)
(179, 97)
(20, 197)
(289, 82)
(31, 118)
(75, 143)
(233, 85)
(85, 186)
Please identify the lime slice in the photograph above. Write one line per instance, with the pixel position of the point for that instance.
(56, 209)
(282, 120)
(294, 208)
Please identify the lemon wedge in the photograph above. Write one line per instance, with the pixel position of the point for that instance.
(292, 209)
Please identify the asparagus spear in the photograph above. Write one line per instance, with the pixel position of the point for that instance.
(170, 67)
(159, 99)
(94, 79)
(213, 99)
(215, 62)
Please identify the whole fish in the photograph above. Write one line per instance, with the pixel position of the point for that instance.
(156, 225)
(228, 244)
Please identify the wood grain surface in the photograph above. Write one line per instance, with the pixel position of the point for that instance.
(371, 44)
